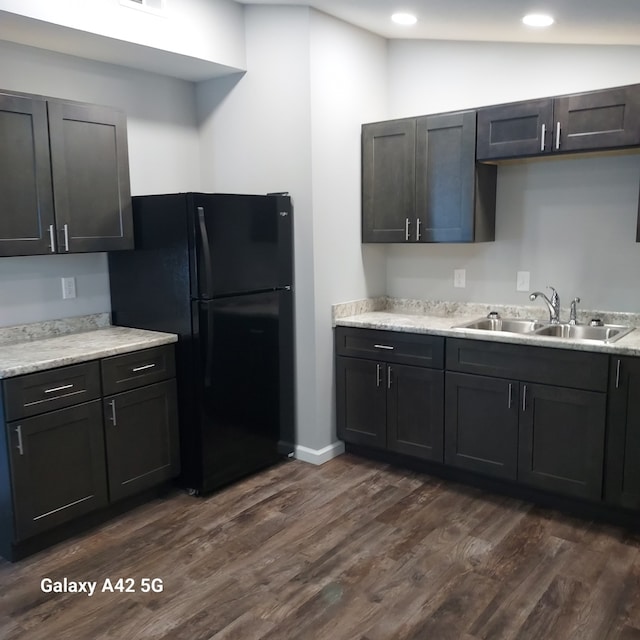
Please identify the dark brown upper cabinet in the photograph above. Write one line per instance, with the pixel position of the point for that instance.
(420, 181)
(455, 199)
(592, 121)
(388, 180)
(26, 194)
(64, 177)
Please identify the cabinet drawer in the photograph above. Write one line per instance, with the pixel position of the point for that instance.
(391, 346)
(136, 369)
(561, 367)
(36, 393)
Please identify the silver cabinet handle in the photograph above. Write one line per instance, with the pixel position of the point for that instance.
(618, 374)
(61, 388)
(112, 403)
(378, 376)
(143, 367)
(52, 238)
(543, 134)
(524, 398)
(558, 135)
(384, 346)
(20, 447)
(65, 230)
(510, 395)
(389, 370)
(418, 234)
(406, 228)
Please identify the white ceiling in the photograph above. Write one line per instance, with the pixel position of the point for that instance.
(577, 21)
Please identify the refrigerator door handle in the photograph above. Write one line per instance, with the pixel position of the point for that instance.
(206, 255)
(208, 362)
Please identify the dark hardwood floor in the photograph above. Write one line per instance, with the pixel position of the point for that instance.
(349, 550)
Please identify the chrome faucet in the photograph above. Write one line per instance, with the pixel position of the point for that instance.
(573, 312)
(553, 304)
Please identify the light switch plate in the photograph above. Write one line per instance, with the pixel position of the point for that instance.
(522, 281)
(68, 288)
(459, 278)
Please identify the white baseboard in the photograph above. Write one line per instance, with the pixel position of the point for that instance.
(319, 456)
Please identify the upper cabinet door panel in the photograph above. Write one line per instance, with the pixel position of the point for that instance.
(388, 174)
(26, 198)
(90, 177)
(445, 174)
(513, 130)
(598, 120)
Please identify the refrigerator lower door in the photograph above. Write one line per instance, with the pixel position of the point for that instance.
(246, 384)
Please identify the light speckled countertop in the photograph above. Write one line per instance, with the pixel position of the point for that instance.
(18, 358)
(400, 320)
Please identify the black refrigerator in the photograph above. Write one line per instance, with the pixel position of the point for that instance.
(217, 269)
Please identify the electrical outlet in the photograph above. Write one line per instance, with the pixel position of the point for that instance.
(68, 288)
(459, 278)
(522, 281)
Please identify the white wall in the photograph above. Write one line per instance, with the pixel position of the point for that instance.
(570, 222)
(348, 71)
(292, 123)
(163, 154)
(210, 30)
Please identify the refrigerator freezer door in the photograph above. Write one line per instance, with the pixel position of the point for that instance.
(246, 383)
(243, 244)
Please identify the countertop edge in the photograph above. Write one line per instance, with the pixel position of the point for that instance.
(121, 340)
(421, 324)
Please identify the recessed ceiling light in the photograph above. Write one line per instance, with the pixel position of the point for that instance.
(405, 19)
(537, 20)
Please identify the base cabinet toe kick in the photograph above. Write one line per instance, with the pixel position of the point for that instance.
(80, 439)
(555, 424)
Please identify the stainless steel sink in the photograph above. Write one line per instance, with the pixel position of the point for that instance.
(510, 325)
(604, 333)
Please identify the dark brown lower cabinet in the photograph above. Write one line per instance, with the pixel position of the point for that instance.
(388, 405)
(79, 438)
(361, 402)
(622, 482)
(544, 436)
(415, 411)
(141, 438)
(481, 424)
(562, 433)
(57, 467)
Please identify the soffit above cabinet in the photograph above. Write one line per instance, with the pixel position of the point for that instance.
(92, 46)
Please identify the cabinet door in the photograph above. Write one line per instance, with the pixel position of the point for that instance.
(415, 411)
(141, 428)
(90, 169)
(26, 198)
(622, 483)
(562, 440)
(445, 177)
(513, 130)
(481, 424)
(598, 120)
(361, 401)
(57, 467)
(388, 181)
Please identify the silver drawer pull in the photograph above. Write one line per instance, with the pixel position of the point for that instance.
(62, 388)
(114, 419)
(143, 367)
(20, 447)
(384, 346)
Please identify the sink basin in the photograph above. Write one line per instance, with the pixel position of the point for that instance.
(510, 325)
(604, 333)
